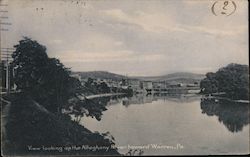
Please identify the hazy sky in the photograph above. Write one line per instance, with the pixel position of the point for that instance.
(138, 37)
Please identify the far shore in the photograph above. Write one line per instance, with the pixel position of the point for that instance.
(228, 99)
(103, 95)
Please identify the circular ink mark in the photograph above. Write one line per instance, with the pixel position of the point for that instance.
(223, 8)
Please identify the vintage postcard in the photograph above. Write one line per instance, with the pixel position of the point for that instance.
(124, 77)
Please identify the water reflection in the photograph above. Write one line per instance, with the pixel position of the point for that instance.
(172, 119)
(144, 99)
(95, 107)
(233, 115)
(90, 107)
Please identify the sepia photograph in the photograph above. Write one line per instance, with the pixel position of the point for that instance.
(124, 77)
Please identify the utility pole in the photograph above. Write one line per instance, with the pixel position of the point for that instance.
(4, 57)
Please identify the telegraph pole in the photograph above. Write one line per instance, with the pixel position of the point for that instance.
(6, 56)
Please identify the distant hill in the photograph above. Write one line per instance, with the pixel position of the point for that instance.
(101, 75)
(180, 77)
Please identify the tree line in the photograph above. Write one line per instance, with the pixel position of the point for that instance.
(43, 78)
(47, 81)
(35, 115)
(232, 81)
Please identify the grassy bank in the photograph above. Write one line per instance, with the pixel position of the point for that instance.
(33, 130)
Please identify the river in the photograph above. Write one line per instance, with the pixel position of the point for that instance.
(176, 124)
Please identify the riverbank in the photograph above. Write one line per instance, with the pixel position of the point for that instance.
(225, 98)
(104, 95)
(5, 107)
(33, 130)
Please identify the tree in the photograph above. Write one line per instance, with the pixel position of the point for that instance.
(29, 60)
(43, 78)
(103, 88)
(209, 84)
(232, 79)
(57, 85)
(48, 82)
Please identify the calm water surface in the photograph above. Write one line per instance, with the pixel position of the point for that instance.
(197, 126)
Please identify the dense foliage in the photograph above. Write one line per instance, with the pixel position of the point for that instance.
(45, 79)
(35, 116)
(48, 82)
(30, 124)
(233, 80)
(97, 88)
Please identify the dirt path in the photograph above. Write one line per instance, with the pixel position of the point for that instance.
(4, 119)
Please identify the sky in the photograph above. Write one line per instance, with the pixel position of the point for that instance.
(132, 37)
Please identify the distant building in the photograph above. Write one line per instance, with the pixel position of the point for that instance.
(159, 85)
(111, 83)
(147, 85)
(175, 85)
(134, 84)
